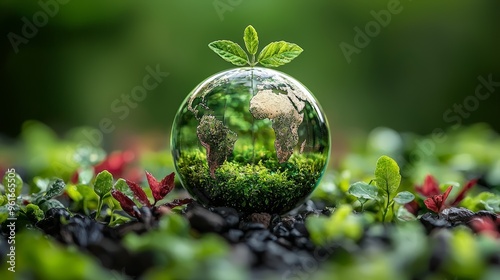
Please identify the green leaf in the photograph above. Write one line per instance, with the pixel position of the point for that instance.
(86, 192)
(55, 189)
(122, 186)
(49, 204)
(103, 183)
(251, 40)
(278, 53)
(387, 176)
(34, 212)
(363, 190)
(118, 220)
(492, 205)
(230, 52)
(404, 197)
(4, 213)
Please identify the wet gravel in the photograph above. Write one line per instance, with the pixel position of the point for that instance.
(260, 241)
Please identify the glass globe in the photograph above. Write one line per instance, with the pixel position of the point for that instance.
(252, 138)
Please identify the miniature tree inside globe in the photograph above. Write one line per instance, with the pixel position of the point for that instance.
(251, 138)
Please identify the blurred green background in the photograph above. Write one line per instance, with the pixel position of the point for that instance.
(90, 53)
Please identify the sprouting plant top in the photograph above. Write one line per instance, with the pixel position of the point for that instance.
(273, 55)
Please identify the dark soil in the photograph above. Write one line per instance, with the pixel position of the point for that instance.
(263, 242)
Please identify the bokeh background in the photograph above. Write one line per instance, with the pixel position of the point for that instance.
(90, 53)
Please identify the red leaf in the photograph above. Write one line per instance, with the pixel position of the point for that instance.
(154, 185)
(167, 184)
(430, 187)
(139, 193)
(412, 207)
(160, 189)
(446, 193)
(126, 203)
(463, 191)
(436, 203)
(178, 202)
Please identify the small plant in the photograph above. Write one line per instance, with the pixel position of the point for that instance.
(384, 192)
(435, 200)
(159, 190)
(273, 55)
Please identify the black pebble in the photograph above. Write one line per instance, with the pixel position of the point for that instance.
(256, 245)
(246, 226)
(304, 243)
(229, 214)
(295, 233)
(457, 216)
(260, 235)
(234, 235)
(301, 227)
(281, 231)
(204, 220)
(432, 221)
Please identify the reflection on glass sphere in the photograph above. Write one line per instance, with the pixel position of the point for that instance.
(250, 138)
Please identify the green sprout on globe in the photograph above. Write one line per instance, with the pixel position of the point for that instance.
(251, 138)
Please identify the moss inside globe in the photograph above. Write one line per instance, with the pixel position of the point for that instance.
(254, 139)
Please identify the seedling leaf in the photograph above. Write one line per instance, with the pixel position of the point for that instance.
(103, 183)
(251, 40)
(387, 176)
(278, 53)
(230, 52)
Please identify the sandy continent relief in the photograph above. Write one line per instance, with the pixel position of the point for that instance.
(217, 139)
(285, 118)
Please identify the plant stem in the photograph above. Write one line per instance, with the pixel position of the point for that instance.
(111, 218)
(253, 119)
(99, 208)
(385, 213)
(387, 204)
(252, 61)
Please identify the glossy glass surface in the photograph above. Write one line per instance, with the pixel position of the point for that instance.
(250, 138)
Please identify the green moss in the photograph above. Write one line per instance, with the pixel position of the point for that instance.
(252, 181)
